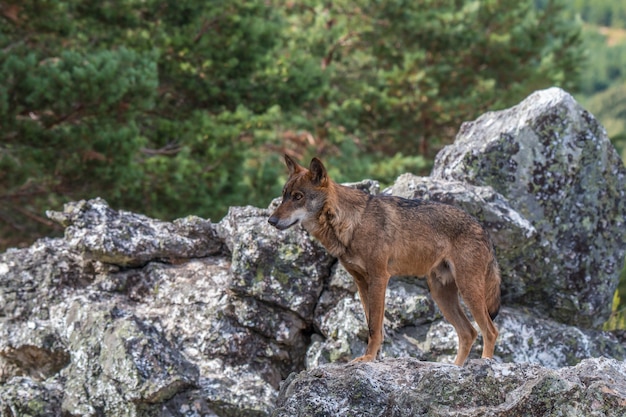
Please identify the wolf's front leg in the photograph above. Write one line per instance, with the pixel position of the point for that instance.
(376, 315)
(363, 288)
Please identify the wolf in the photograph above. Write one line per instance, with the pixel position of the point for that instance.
(377, 237)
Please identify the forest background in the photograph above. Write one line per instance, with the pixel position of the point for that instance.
(172, 108)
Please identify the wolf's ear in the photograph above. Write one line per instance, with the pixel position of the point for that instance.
(292, 165)
(318, 172)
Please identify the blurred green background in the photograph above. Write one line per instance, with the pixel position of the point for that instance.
(171, 108)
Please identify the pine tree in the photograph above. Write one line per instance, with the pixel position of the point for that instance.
(405, 74)
(172, 108)
(153, 105)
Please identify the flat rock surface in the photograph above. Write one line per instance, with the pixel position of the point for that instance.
(407, 387)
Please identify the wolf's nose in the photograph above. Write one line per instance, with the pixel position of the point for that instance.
(273, 220)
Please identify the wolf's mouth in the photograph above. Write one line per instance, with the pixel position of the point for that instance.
(283, 227)
(275, 221)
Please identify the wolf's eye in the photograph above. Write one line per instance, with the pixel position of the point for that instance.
(297, 196)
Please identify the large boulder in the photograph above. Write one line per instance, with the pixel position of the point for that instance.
(555, 165)
(407, 387)
(128, 239)
(128, 315)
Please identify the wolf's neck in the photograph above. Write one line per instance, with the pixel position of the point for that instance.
(339, 218)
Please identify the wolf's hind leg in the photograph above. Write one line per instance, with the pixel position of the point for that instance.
(445, 293)
(476, 302)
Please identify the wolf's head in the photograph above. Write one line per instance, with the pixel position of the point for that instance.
(304, 194)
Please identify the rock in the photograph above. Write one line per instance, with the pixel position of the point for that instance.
(555, 165)
(41, 353)
(33, 281)
(282, 268)
(203, 335)
(26, 397)
(526, 338)
(241, 346)
(132, 316)
(180, 336)
(119, 363)
(408, 387)
(34, 278)
(128, 239)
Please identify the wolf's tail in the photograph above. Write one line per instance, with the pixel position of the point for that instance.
(493, 289)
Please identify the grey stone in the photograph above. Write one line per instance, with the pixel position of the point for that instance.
(119, 363)
(33, 281)
(223, 333)
(39, 352)
(129, 239)
(554, 163)
(132, 316)
(284, 268)
(23, 396)
(526, 338)
(242, 347)
(407, 387)
(34, 278)
(131, 341)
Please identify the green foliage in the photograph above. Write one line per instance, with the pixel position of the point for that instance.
(608, 13)
(608, 66)
(404, 75)
(618, 316)
(155, 106)
(183, 107)
(611, 13)
(610, 107)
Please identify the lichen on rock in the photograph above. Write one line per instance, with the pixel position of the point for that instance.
(132, 316)
(556, 166)
(129, 239)
(407, 387)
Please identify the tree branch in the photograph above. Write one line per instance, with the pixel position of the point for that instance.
(168, 150)
(343, 41)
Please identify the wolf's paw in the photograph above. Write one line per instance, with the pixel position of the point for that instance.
(491, 360)
(364, 358)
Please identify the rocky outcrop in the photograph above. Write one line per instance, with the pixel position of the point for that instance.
(553, 162)
(217, 332)
(407, 387)
(132, 316)
(128, 239)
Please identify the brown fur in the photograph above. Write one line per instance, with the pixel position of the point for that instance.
(376, 237)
